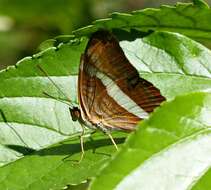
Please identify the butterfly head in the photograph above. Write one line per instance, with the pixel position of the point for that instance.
(75, 113)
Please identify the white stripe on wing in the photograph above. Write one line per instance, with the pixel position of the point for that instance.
(120, 97)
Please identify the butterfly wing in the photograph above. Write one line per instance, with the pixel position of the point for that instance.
(110, 90)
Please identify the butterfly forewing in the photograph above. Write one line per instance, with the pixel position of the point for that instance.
(111, 93)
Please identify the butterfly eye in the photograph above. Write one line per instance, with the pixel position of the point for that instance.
(75, 113)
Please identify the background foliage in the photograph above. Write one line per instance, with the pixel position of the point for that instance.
(25, 24)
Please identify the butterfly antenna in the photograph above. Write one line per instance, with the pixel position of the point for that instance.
(56, 86)
(63, 101)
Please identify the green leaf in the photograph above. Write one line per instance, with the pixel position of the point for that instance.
(185, 18)
(31, 121)
(170, 150)
(34, 121)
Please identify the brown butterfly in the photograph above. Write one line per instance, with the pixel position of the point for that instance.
(110, 91)
(111, 94)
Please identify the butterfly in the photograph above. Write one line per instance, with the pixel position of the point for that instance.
(111, 94)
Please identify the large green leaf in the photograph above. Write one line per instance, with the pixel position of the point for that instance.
(34, 121)
(170, 150)
(187, 18)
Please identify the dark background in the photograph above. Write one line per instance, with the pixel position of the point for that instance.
(24, 24)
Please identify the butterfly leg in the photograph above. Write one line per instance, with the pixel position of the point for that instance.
(107, 132)
(82, 143)
(112, 140)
